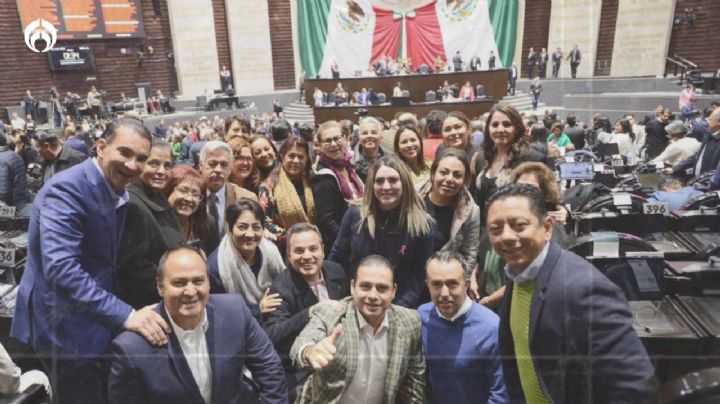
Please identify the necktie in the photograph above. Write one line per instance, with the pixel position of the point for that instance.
(213, 211)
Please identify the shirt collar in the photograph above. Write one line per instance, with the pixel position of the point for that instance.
(363, 325)
(467, 304)
(531, 272)
(180, 333)
(120, 200)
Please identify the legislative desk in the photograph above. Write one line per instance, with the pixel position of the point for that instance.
(388, 111)
(495, 82)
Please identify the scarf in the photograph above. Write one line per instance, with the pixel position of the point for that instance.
(288, 202)
(236, 275)
(352, 189)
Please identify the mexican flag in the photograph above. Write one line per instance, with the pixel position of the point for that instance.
(356, 33)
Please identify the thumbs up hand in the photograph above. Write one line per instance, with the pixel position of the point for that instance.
(322, 354)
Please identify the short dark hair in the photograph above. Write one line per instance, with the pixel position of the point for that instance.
(375, 260)
(130, 122)
(233, 212)
(306, 131)
(531, 193)
(571, 120)
(447, 256)
(160, 272)
(301, 227)
(434, 121)
(280, 129)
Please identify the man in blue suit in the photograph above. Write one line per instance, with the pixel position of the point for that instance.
(566, 333)
(65, 305)
(214, 338)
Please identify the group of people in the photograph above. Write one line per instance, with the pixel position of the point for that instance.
(537, 62)
(417, 260)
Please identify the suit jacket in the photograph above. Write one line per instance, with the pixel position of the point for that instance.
(581, 337)
(656, 138)
(65, 301)
(67, 158)
(288, 320)
(574, 56)
(144, 373)
(710, 150)
(406, 363)
(557, 57)
(233, 193)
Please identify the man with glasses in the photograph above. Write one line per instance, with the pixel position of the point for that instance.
(216, 160)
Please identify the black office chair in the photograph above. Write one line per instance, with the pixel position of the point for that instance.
(480, 91)
(430, 96)
(405, 93)
(381, 98)
(706, 200)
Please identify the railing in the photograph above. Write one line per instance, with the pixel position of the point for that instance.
(682, 65)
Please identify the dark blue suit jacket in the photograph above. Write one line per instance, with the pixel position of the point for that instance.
(143, 373)
(65, 303)
(581, 337)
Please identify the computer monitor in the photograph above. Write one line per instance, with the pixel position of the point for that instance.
(582, 170)
(651, 181)
(605, 151)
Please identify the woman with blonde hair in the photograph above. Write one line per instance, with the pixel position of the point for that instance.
(391, 222)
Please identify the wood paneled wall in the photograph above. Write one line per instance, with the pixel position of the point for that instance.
(21, 69)
(282, 45)
(698, 42)
(535, 34)
(221, 34)
(606, 37)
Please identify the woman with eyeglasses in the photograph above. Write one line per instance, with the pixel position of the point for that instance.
(409, 148)
(504, 148)
(185, 191)
(393, 223)
(286, 196)
(264, 156)
(151, 228)
(244, 174)
(334, 183)
(368, 150)
(245, 262)
(449, 202)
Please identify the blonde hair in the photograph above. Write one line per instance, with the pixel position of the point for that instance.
(413, 217)
(545, 177)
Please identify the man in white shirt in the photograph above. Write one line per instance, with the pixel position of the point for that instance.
(213, 339)
(372, 344)
(680, 147)
(16, 122)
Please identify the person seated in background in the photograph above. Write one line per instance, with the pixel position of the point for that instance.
(623, 135)
(369, 351)
(73, 142)
(680, 147)
(397, 90)
(708, 157)
(557, 139)
(459, 338)
(368, 150)
(308, 281)
(55, 157)
(213, 340)
(467, 92)
(674, 193)
(575, 132)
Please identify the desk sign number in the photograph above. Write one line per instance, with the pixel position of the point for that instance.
(659, 208)
(7, 257)
(7, 212)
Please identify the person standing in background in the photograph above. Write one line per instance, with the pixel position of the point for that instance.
(574, 58)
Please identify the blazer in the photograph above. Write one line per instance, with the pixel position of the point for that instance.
(151, 229)
(581, 337)
(406, 363)
(710, 150)
(65, 302)
(288, 320)
(330, 204)
(67, 158)
(144, 373)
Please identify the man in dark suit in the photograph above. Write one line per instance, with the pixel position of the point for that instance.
(574, 58)
(491, 61)
(556, 61)
(566, 333)
(532, 61)
(512, 77)
(55, 157)
(708, 157)
(575, 132)
(475, 63)
(656, 138)
(457, 62)
(213, 339)
(309, 280)
(65, 306)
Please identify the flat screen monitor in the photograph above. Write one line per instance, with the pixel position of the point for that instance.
(606, 150)
(583, 170)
